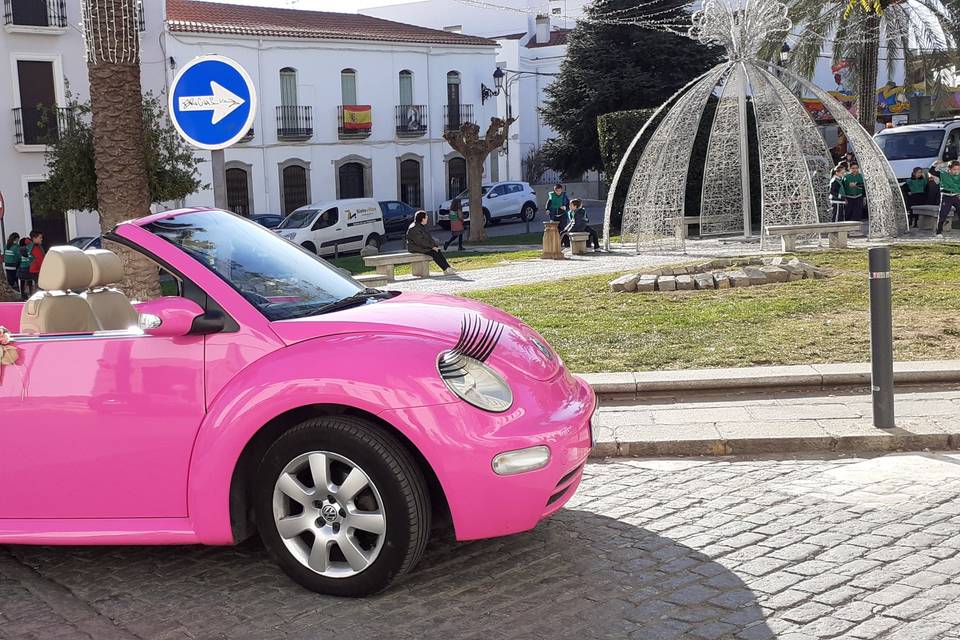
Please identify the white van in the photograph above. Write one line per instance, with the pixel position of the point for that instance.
(920, 145)
(335, 226)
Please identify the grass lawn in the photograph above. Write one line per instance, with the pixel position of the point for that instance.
(461, 261)
(803, 322)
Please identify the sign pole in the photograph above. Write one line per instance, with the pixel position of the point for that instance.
(881, 338)
(219, 179)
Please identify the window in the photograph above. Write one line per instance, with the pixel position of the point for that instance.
(514, 188)
(410, 182)
(555, 11)
(288, 87)
(238, 191)
(351, 180)
(453, 101)
(913, 145)
(34, 13)
(294, 187)
(328, 218)
(456, 176)
(348, 87)
(406, 88)
(34, 120)
(500, 190)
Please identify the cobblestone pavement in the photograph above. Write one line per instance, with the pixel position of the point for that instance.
(618, 260)
(684, 548)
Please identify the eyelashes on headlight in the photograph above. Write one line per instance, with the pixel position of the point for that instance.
(478, 339)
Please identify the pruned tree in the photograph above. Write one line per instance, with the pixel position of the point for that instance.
(112, 40)
(467, 142)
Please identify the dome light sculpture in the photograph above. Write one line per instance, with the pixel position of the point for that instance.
(795, 164)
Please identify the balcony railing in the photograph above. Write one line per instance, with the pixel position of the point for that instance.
(35, 13)
(411, 120)
(354, 121)
(38, 126)
(455, 115)
(294, 122)
(141, 19)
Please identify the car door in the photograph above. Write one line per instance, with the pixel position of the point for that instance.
(99, 425)
(393, 217)
(327, 232)
(517, 197)
(498, 205)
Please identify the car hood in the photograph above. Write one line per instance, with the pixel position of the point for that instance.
(437, 319)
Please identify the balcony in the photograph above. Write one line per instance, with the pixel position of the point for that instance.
(34, 16)
(455, 115)
(247, 137)
(411, 120)
(34, 126)
(294, 123)
(354, 122)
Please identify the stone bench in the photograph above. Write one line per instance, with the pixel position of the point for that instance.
(682, 225)
(386, 263)
(578, 242)
(836, 232)
(927, 215)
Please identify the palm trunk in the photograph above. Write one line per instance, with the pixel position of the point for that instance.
(868, 72)
(478, 231)
(116, 104)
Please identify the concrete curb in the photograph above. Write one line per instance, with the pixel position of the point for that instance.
(817, 376)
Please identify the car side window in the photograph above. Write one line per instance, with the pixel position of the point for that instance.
(515, 188)
(327, 219)
(170, 285)
(499, 189)
(394, 210)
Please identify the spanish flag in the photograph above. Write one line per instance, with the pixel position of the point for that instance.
(357, 117)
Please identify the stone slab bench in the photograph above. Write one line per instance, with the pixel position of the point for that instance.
(836, 232)
(386, 263)
(927, 215)
(682, 224)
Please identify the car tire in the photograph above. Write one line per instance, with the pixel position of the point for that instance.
(375, 241)
(528, 213)
(309, 246)
(390, 484)
(490, 221)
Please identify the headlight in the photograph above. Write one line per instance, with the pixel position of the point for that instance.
(475, 382)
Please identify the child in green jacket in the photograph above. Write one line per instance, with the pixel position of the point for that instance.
(949, 191)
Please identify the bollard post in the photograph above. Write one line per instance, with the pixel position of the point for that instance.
(881, 338)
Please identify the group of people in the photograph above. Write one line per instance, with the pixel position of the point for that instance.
(22, 259)
(571, 215)
(846, 191)
(943, 177)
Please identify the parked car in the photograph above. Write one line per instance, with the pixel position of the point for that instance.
(397, 216)
(920, 145)
(337, 226)
(268, 220)
(85, 242)
(500, 200)
(275, 396)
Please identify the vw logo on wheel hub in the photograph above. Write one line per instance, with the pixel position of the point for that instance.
(329, 513)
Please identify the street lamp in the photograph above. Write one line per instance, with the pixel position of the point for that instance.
(486, 92)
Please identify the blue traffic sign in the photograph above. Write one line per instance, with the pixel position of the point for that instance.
(212, 102)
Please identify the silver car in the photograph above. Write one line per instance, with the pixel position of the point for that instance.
(500, 200)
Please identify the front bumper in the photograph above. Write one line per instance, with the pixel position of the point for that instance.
(462, 441)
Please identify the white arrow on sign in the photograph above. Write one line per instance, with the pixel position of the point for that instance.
(222, 102)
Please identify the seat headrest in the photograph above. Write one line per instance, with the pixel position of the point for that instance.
(65, 268)
(107, 267)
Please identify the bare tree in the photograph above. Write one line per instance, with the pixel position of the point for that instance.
(467, 142)
(113, 64)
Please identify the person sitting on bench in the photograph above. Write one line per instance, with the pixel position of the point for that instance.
(419, 240)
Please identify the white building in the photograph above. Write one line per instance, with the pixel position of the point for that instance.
(532, 35)
(307, 67)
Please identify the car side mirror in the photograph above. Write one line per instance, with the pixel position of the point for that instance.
(491, 195)
(171, 316)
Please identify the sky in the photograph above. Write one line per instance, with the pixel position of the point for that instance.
(342, 6)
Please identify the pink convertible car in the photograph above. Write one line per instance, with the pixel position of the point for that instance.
(269, 394)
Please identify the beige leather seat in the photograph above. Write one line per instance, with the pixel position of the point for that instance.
(110, 306)
(57, 308)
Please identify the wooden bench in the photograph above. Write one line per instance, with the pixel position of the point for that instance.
(578, 242)
(927, 216)
(386, 263)
(836, 232)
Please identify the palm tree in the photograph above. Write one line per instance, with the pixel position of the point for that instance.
(113, 65)
(860, 29)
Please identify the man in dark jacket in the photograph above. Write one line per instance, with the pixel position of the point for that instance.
(419, 240)
(579, 221)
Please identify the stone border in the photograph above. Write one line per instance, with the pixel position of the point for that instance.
(720, 273)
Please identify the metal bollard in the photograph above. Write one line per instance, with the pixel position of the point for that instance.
(881, 338)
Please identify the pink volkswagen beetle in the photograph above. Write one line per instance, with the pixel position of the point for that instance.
(267, 393)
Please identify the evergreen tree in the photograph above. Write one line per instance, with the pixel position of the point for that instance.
(614, 66)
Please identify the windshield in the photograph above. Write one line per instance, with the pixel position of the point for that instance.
(298, 219)
(910, 144)
(466, 192)
(279, 279)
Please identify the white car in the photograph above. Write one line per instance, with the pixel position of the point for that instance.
(500, 200)
(335, 226)
(920, 145)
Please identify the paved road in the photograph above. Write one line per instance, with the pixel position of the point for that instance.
(695, 548)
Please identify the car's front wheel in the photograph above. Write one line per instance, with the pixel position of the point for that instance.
(309, 246)
(341, 506)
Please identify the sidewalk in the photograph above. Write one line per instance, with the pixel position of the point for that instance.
(775, 421)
